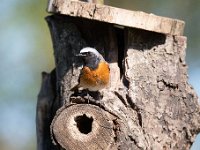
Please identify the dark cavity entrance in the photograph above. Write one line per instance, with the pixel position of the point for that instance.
(84, 123)
(121, 46)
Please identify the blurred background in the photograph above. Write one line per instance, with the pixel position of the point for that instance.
(26, 51)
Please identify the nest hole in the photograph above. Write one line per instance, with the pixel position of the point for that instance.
(121, 48)
(84, 123)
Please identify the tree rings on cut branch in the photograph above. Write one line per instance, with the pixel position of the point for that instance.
(83, 126)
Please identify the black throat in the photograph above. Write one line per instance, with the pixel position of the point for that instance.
(92, 62)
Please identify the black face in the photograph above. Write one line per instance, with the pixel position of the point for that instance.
(90, 59)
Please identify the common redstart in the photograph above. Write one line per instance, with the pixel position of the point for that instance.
(95, 74)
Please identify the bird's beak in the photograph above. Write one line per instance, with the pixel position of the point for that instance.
(81, 55)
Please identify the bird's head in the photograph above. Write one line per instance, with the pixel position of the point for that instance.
(91, 57)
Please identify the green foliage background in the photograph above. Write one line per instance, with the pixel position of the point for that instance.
(26, 51)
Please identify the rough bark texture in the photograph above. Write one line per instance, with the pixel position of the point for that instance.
(149, 104)
(157, 73)
(46, 108)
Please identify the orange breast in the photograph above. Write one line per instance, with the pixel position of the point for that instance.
(95, 79)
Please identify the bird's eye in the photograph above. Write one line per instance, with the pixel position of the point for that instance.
(87, 53)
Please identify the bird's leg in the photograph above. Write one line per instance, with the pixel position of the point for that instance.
(88, 96)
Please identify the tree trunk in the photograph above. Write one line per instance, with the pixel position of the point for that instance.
(148, 105)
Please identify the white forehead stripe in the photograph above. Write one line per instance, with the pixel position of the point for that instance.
(89, 49)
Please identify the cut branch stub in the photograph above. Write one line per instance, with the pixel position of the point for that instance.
(83, 126)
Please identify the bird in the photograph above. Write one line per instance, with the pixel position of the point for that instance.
(95, 74)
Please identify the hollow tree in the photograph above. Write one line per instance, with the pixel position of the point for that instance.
(149, 103)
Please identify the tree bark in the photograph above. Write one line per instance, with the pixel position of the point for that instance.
(46, 108)
(148, 105)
